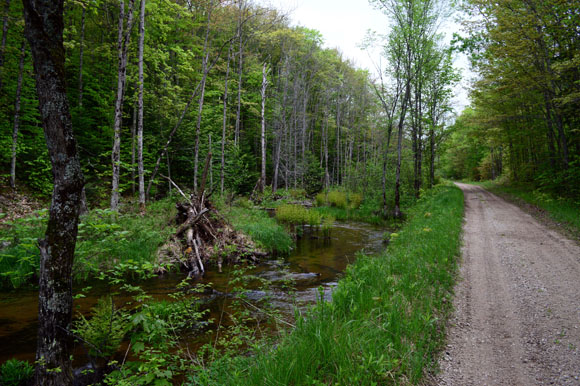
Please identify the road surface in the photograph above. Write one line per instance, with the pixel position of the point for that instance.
(517, 301)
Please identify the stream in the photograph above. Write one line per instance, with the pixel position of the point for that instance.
(314, 262)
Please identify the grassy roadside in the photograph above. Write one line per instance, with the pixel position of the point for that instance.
(387, 317)
(563, 211)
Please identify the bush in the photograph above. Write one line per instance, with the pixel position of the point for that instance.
(297, 193)
(337, 199)
(105, 331)
(354, 200)
(297, 215)
(321, 199)
(15, 373)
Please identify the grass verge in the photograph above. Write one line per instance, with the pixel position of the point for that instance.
(387, 317)
(562, 210)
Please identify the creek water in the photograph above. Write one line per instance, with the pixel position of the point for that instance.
(314, 262)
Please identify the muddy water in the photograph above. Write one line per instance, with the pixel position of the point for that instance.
(315, 262)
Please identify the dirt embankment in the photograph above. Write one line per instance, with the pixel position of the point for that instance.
(517, 305)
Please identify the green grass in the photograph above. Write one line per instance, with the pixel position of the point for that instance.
(560, 209)
(297, 215)
(386, 321)
(263, 230)
(106, 239)
(368, 211)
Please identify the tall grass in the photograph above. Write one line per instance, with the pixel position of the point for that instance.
(386, 320)
(263, 230)
(560, 209)
(367, 211)
(297, 215)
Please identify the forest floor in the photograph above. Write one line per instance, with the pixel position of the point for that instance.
(517, 302)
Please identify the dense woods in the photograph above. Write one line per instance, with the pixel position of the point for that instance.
(523, 121)
(155, 87)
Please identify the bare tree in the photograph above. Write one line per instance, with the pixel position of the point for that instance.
(262, 181)
(205, 71)
(140, 109)
(124, 35)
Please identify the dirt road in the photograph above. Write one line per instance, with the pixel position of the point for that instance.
(517, 305)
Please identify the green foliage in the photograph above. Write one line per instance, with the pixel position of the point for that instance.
(104, 331)
(106, 240)
(263, 230)
(297, 215)
(14, 372)
(337, 199)
(354, 200)
(386, 321)
(313, 176)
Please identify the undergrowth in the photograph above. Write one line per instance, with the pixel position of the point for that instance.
(386, 320)
(263, 229)
(106, 239)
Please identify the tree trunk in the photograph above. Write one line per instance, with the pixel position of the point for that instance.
(43, 29)
(240, 71)
(141, 169)
(225, 121)
(122, 48)
(133, 147)
(81, 57)
(262, 182)
(432, 156)
(397, 213)
(17, 116)
(4, 35)
(202, 96)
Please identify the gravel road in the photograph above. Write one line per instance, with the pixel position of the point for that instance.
(517, 304)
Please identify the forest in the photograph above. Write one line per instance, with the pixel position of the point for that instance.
(195, 140)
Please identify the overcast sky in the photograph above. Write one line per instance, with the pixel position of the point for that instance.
(344, 23)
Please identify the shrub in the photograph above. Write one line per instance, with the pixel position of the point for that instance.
(338, 199)
(105, 331)
(297, 193)
(321, 199)
(15, 372)
(354, 200)
(297, 215)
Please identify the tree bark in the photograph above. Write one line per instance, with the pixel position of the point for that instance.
(81, 57)
(240, 71)
(262, 182)
(4, 35)
(141, 169)
(122, 48)
(17, 116)
(225, 122)
(43, 29)
(202, 96)
(397, 213)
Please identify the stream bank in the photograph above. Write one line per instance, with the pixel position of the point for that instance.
(314, 262)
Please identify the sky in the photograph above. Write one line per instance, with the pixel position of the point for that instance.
(344, 24)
